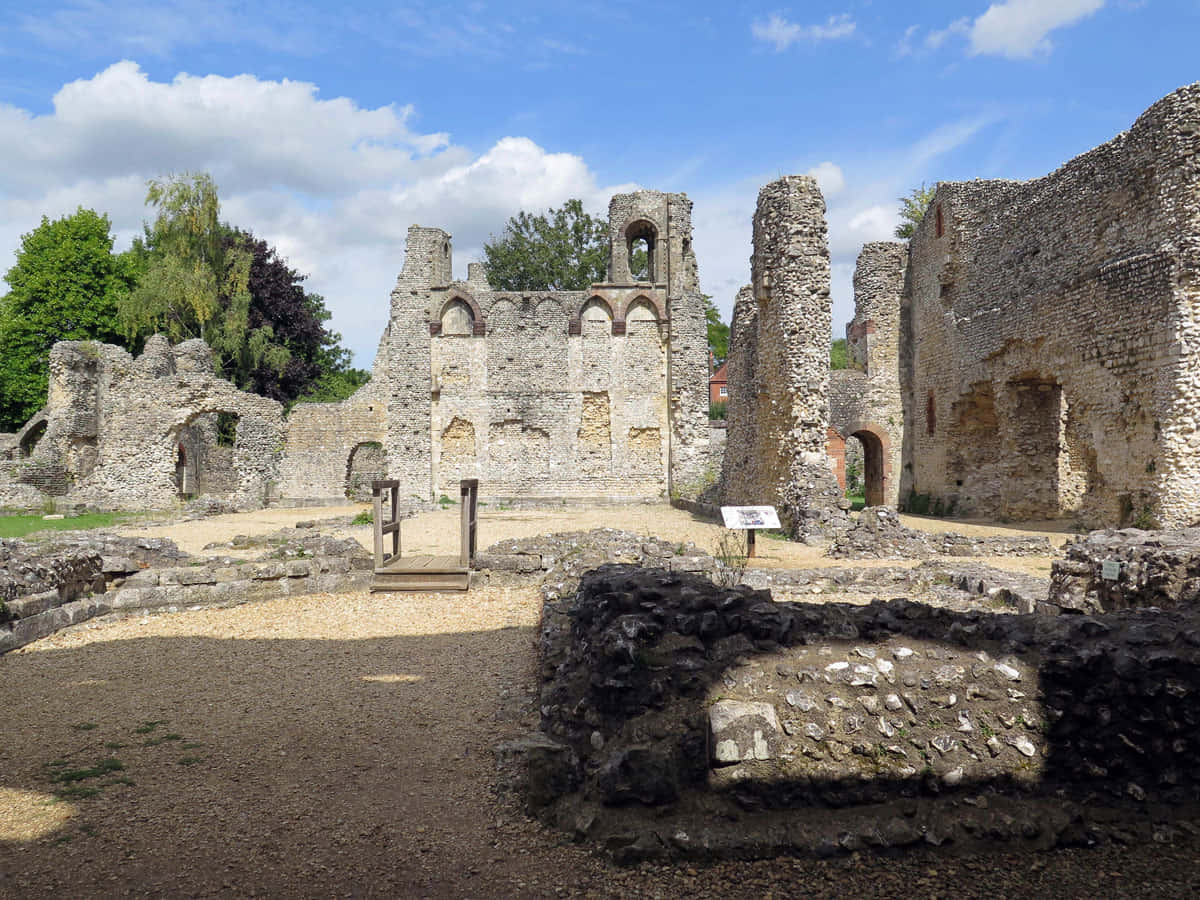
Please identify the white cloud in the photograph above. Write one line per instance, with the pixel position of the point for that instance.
(781, 33)
(935, 39)
(333, 185)
(829, 177)
(904, 47)
(1018, 29)
(1015, 29)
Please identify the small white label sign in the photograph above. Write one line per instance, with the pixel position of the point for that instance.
(1110, 569)
(750, 516)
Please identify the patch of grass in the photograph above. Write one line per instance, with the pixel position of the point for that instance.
(155, 741)
(115, 745)
(147, 727)
(444, 502)
(104, 767)
(191, 745)
(366, 517)
(84, 726)
(19, 526)
(190, 760)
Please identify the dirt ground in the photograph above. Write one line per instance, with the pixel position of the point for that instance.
(340, 745)
(438, 531)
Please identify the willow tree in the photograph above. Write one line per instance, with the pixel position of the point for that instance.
(195, 281)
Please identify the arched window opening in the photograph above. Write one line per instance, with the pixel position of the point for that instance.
(31, 438)
(642, 238)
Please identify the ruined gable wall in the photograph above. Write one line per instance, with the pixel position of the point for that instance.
(790, 270)
(1052, 358)
(866, 399)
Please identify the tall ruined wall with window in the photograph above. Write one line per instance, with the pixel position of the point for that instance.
(779, 363)
(589, 395)
(1051, 348)
(864, 399)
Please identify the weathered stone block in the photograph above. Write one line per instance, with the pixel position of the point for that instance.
(740, 731)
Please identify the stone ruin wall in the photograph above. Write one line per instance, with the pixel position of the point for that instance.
(335, 450)
(115, 425)
(588, 395)
(779, 361)
(865, 399)
(1050, 335)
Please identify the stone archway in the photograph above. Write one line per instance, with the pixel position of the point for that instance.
(875, 465)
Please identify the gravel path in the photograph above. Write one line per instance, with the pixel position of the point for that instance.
(339, 745)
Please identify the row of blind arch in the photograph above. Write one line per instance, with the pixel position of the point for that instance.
(461, 316)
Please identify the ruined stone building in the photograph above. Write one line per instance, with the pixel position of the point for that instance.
(125, 432)
(1050, 342)
(587, 395)
(598, 395)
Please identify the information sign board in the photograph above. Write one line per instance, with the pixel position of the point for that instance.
(750, 516)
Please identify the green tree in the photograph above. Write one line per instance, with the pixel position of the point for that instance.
(839, 356)
(564, 249)
(195, 281)
(718, 331)
(912, 209)
(66, 285)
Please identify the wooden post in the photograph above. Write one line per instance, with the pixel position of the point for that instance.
(394, 517)
(468, 495)
(750, 543)
(377, 524)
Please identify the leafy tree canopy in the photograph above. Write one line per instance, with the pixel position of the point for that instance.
(564, 249)
(718, 331)
(66, 285)
(912, 209)
(202, 278)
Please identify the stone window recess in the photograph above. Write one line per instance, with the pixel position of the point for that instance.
(939, 223)
(722, 391)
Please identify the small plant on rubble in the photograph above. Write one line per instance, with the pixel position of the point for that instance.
(731, 557)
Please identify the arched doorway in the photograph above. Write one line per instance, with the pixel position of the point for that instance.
(874, 447)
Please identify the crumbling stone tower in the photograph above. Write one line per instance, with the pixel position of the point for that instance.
(780, 361)
(865, 399)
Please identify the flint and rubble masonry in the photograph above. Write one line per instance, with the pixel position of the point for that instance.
(1050, 345)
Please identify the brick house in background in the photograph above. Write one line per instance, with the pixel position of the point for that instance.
(718, 385)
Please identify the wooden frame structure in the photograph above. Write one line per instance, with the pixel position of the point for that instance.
(396, 572)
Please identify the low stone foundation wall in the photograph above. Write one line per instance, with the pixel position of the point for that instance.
(679, 718)
(89, 575)
(878, 534)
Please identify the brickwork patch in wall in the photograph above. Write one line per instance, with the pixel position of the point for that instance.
(645, 450)
(594, 448)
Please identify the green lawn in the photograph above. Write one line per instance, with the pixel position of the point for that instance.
(19, 526)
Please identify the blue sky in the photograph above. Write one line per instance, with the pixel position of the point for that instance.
(330, 128)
